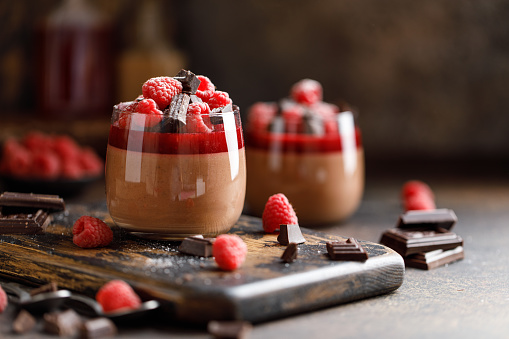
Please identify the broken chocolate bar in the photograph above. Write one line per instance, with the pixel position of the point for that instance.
(201, 247)
(289, 234)
(64, 324)
(290, 253)
(51, 287)
(443, 218)
(32, 223)
(215, 115)
(24, 322)
(189, 80)
(412, 241)
(14, 202)
(229, 329)
(98, 328)
(346, 250)
(313, 125)
(433, 259)
(178, 107)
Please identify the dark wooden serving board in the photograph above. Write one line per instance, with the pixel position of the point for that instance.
(193, 289)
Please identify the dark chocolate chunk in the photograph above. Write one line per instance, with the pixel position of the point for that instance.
(313, 125)
(290, 253)
(31, 223)
(194, 99)
(24, 322)
(443, 218)
(229, 329)
(433, 259)
(14, 202)
(189, 80)
(215, 114)
(98, 328)
(51, 287)
(412, 241)
(289, 234)
(65, 323)
(201, 247)
(178, 107)
(236, 109)
(346, 250)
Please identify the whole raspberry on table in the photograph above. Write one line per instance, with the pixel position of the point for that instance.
(278, 210)
(3, 300)
(116, 295)
(161, 90)
(413, 187)
(90, 232)
(307, 91)
(229, 251)
(419, 201)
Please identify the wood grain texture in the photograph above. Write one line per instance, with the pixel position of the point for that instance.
(193, 289)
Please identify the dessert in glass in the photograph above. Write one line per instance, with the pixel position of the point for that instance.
(175, 162)
(307, 149)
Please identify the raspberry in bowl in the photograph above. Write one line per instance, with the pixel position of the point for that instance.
(175, 162)
(307, 149)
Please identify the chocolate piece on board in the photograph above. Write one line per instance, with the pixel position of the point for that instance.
(443, 218)
(98, 328)
(433, 259)
(346, 250)
(201, 247)
(24, 322)
(229, 329)
(289, 234)
(64, 324)
(290, 253)
(189, 80)
(31, 223)
(412, 241)
(14, 202)
(51, 287)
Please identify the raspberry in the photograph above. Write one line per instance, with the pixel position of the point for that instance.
(206, 88)
(16, 159)
(71, 169)
(90, 232)
(37, 141)
(161, 90)
(306, 91)
(195, 123)
(219, 99)
(46, 165)
(229, 251)
(260, 115)
(149, 107)
(419, 201)
(65, 147)
(3, 300)
(116, 295)
(414, 187)
(278, 210)
(90, 162)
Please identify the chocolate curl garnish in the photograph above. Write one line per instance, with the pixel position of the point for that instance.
(189, 80)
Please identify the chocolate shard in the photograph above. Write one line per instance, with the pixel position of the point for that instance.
(312, 124)
(51, 287)
(434, 259)
(215, 115)
(412, 241)
(194, 99)
(14, 202)
(65, 324)
(178, 107)
(189, 80)
(346, 250)
(277, 125)
(229, 329)
(437, 218)
(98, 328)
(201, 247)
(24, 322)
(290, 253)
(31, 223)
(289, 234)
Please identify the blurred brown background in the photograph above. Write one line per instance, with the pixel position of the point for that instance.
(430, 79)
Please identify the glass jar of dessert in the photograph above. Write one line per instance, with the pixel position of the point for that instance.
(307, 149)
(175, 163)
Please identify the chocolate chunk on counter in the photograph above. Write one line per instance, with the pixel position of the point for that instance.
(14, 202)
(31, 223)
(433, 259)
(201, 247)
(66, 323)
(189, 80)
(412, 241)
(438, 218)
(229, 329)
(289, 234)
(290, 253)
(98, 328)
(51, 287)
(24, 322)
(346, 250)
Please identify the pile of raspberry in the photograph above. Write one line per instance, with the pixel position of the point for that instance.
(304, 102)
(48, 157)
(157, 94)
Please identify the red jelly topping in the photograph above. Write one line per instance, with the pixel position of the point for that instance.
(172, 143)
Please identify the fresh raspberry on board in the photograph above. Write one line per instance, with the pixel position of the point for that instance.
(161, 90)
(206, 88)
(229, 251)
(194, 122)
(90, 232)
(3, 300)
(278, 210)
(219, 99)
(116, 295)
(306, 91)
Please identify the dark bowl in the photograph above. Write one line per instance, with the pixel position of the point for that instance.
(61, 187)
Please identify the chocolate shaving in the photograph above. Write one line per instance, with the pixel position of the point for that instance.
(189, 80)
(346, 250)
(290, 253)
(32, 223)
(229, 329)
(289, 234)
(201, 247)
